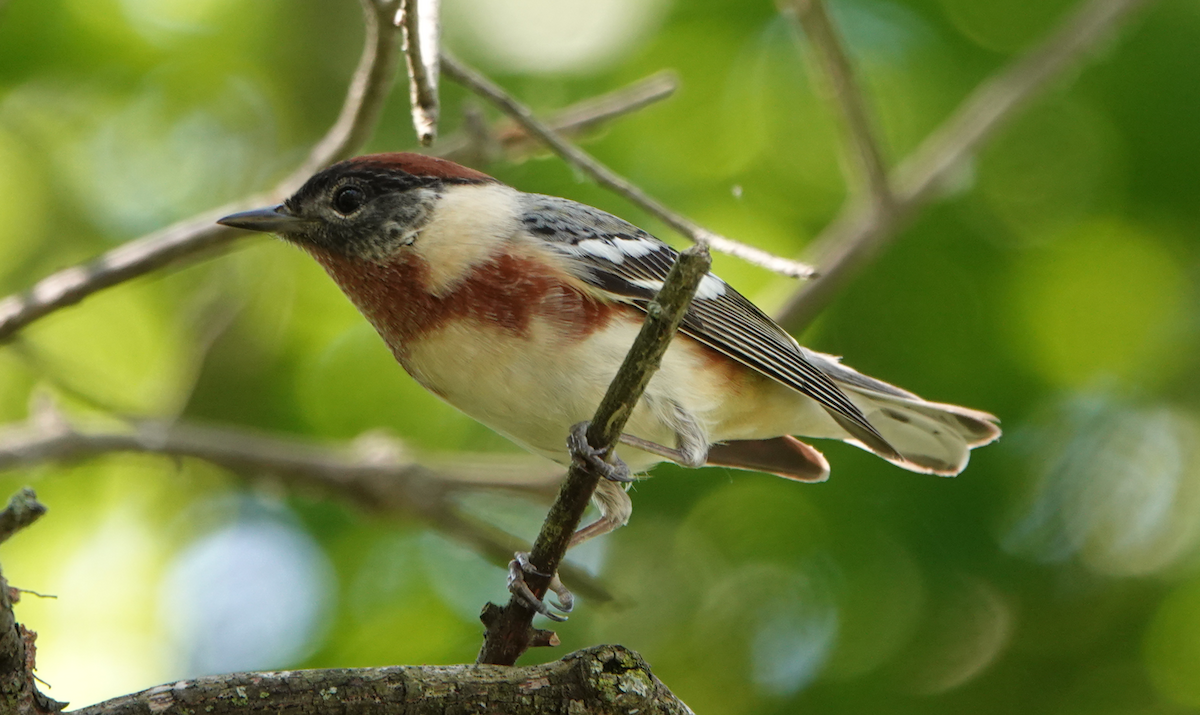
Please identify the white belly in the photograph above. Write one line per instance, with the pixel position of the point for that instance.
(533, 388)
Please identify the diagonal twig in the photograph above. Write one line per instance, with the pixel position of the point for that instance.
(611, 180)
(421, 22)
(509, 630)
(585, 116)
(863, 146)
(857, 235)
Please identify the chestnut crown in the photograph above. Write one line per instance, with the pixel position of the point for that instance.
(364, 207)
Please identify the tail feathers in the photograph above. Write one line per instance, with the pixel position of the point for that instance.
(784, 456)
(931, 437)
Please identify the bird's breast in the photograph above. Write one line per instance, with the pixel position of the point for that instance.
(505, 294)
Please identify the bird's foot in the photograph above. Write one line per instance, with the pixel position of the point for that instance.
(517, 568)
(598, 459)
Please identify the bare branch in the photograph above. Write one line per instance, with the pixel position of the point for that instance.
(585, 116)
(509, 632)
(861, 136)
(377, 476)
(598, 680)
(611, 180)
(421, 21)
(857, 235)
(374, 474)
(138, 257)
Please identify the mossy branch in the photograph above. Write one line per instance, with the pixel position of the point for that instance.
(602, 680)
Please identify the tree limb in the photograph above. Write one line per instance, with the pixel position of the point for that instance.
(611, 180)
(858, 234)
(509, 631)
(375, 475)
(602, 680)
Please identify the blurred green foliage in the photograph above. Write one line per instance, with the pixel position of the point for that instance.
(1056, 287)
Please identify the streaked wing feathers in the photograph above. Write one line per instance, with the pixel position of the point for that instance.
(630, 265)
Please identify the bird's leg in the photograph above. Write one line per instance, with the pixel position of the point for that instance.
(615, 508)
(679, 456)
(581, 451)
(691, 444)
(599, 527)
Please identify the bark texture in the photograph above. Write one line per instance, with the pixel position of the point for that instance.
(19, 694)
(602, 680)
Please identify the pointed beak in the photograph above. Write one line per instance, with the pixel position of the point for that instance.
(273, 219)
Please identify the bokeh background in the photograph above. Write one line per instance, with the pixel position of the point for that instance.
(1056, 286)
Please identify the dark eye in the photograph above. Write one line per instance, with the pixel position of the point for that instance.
(349, 199)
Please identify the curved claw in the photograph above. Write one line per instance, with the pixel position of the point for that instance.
(564, 599)
(598, 459)
(522, 559)
(517, 568)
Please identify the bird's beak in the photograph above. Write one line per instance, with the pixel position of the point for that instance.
(273, 219)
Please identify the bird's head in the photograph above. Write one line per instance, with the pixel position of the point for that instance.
(368, 207)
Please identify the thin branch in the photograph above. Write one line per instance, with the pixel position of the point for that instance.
(421, 21)
(374, 474)
(857, 235)
(863, 146)
(200, 234)
(138, 257)
(589, 114)
(515, 142)
(611, 180)
(595, 681)
(509, 631)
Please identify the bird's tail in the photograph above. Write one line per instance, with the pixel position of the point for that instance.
(931, 437)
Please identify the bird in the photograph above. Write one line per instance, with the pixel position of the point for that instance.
(518, 308)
